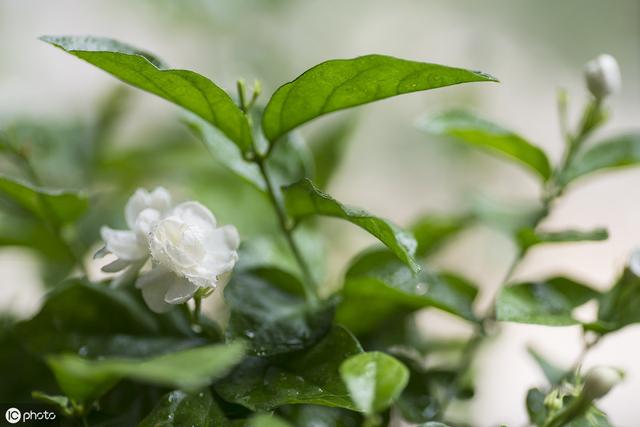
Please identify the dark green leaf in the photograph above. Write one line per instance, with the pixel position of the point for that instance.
(548, 302)
(72, 319)
(432, 231)
(553, 373)
(185, 88)
(338, 84)
(304, 199)
(374, 380)
(268, 311)
(619, 306)
(528, 237)
(328, 151)
(535, 407)
(616, 152)
(84, 380)
(49, 205)
(181, 409)
(310, 376)
(472, 130)
(377, 286)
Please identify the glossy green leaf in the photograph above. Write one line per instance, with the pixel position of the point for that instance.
(57, 206)
(616, 152)
(548, 302)
(264, 420)
(374, 380)
(472, 130)
(378, 286)
(72, 319)
(619, 306)
(432, 231)
(185, 88)
(528, 237)
(553, 373)
(304, 199)
(180, 409)
(316, 415)
(84, 380)
(328, 150)
(268, 310)
(338, 84)
(306, 377)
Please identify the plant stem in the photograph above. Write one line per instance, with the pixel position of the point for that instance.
(309, 284)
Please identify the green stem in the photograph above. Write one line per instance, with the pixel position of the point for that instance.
(309, 284)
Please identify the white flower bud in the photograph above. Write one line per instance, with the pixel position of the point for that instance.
(603, 76)
(634, 262)
(599, 381)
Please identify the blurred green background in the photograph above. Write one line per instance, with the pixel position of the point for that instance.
(72, 115)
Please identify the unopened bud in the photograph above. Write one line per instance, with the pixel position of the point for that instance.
(599, 381)
(603, 76)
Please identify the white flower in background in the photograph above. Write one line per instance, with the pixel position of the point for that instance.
(187, 249)
(142, 212)
(634, 262)
(599, 381)
(603, 76)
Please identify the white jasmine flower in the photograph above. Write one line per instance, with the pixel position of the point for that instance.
(189, 252)
(603, 76)
(142, 212)
(599, 381)
(634, 262)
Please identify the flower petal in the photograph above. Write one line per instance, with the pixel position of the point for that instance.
(159, 199)
(180, 291)
(196, 215)
(154, 285)
(123, 244)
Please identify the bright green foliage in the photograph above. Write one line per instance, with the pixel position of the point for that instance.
(432, 231)
(178, 408)
(310, 376)
(84, 380)
(374, 380)
(267, 421)
(539, 413)
(616, 152)
(528, 237)
(304, 199)
(268, 311)
(338, 84)
(619, 306)
(185, 88)
(56, 206)
(378, 286)
(548, 302)
(478, 132)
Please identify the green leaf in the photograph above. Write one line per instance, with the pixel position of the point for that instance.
(85, 380)
(316, 416)
(553, 373)
(536, 408)
(264, 420)
(432, 231)
(619, 306)
(49, 205)
(185, 88)
(528, 237)
(338, 84)
(304, 199)
(328, 151)
(72, 320)
(374, 380)
(377, 286)
(268, 310)
(616, 152)
(306, 377)
(472, 130)
(548, 302)
(178, 409)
